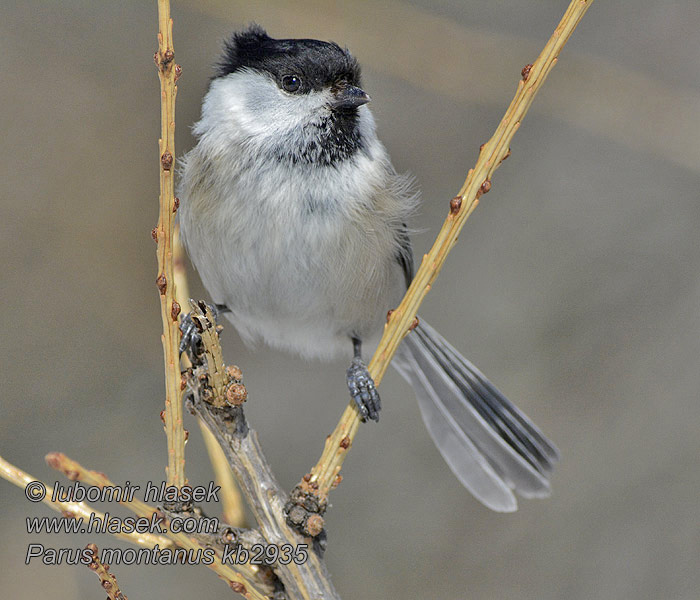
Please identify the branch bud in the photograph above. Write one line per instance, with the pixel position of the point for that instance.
(166, 160)
(455, 205)
(162, 284)
(314, 525)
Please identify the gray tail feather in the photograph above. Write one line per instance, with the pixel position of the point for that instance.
(490, 445)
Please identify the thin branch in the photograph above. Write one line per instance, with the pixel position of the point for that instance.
(247, 583)
(232, 508)
(107, 580)
(168, 73)
(326, 472)
(230, 497)
(75, 510)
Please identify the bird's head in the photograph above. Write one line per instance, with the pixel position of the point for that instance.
(299, 99)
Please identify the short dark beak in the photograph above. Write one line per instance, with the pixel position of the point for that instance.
(349, 96)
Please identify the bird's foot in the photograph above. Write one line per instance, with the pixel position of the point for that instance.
(363, 390)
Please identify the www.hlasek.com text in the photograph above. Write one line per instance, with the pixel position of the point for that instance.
(156, 524)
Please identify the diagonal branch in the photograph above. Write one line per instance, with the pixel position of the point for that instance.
(75, 510)
(325, 473)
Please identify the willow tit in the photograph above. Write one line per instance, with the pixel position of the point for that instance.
(294, 217)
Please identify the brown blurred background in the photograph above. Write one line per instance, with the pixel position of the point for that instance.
(574, 286)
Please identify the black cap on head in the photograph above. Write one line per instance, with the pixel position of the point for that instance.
(318, 64)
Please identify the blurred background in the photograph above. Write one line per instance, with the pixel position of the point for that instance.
(575, 286)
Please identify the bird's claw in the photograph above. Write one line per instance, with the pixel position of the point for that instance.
(363, 390)
(191, 340)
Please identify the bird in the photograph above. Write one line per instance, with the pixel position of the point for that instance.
(296, 221)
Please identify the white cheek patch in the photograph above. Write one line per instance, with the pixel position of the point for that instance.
(251, 105)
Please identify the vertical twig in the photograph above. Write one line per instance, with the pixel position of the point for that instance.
(168, 73)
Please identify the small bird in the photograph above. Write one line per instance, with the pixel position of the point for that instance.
(295, 219)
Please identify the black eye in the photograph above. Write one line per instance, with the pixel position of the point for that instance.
(291, 83)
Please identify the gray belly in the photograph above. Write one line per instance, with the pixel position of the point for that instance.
(300, 284)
